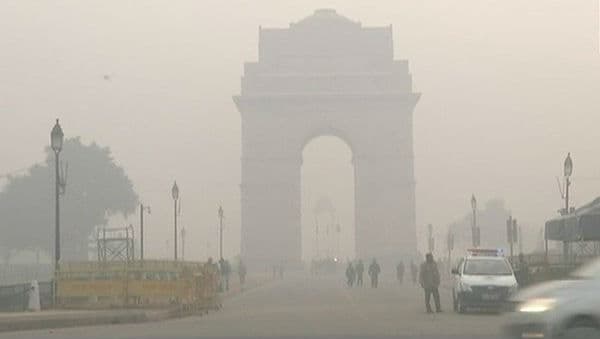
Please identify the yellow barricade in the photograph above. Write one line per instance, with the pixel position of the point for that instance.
(140, 283)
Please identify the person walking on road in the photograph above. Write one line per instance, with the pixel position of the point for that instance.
(429, 279)
(360, 269)
(374, 271)
(400, 272)
(225, 271)
(350, 274)
(413, 272)
(242, 273)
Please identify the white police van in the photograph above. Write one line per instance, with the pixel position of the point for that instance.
(483, 279)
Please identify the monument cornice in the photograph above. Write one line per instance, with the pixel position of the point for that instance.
(263, 102)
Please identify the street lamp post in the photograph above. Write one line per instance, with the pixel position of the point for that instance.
(511, 234)
(182, 243)
(221, 215)
(450, 245)
(568, 170)
(338, 231)
(56, 143)
(430, 240)
(142, 210)
(175, 194)
(318, 255)
(474, 229)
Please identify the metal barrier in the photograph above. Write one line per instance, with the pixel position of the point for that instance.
(138, 284)
(540, 259)
(15, 298)
(537, 267)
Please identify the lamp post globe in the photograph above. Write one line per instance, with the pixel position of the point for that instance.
(175, 191)
(56, 137)
(568, 166)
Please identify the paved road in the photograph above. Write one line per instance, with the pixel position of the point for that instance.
(306, 307)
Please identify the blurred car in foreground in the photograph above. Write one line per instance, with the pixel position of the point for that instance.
(567, 308)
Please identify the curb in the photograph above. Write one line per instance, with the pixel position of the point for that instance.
(74, 320)
(71, 321)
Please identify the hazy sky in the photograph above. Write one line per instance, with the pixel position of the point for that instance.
(509, 87)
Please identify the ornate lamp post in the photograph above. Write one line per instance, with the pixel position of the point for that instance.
(142, 210)
(56, 143)
(568, 171)
(475, 235)
(175, 194)
(221, 216)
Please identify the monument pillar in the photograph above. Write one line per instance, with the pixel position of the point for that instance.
(271, 227)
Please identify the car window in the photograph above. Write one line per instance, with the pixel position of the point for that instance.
(487, 267)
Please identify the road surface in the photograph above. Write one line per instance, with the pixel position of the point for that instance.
(302, 306)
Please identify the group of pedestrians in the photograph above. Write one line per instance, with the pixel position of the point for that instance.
(355, 272)
(224, 269)
(427, 276)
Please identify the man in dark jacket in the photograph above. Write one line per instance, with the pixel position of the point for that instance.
(350, 274)
(242, 273)
(225, 269)
(360, 269)
(429, 278)
(374, 271)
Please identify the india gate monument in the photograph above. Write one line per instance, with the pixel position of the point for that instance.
(326, 75)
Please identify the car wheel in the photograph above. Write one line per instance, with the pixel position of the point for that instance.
(582, 327)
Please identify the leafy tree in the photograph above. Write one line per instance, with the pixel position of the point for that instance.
(96, 189)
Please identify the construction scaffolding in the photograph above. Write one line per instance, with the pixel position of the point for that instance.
(116, 244)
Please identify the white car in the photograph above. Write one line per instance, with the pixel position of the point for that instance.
(484, 279)
(559, 309)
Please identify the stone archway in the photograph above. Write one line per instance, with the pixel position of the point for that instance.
(326, 75)
(327, 199)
